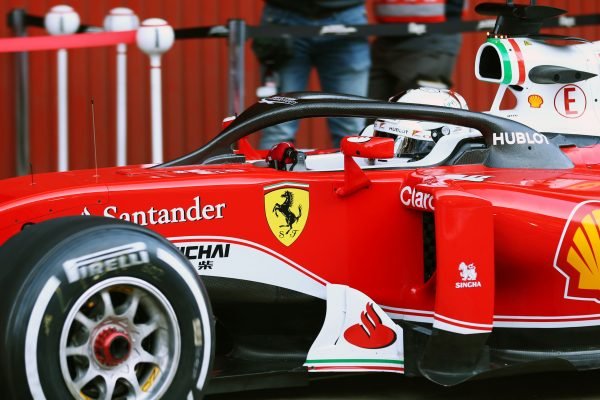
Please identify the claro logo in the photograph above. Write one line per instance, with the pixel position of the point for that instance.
(506, 138)
(412, 197)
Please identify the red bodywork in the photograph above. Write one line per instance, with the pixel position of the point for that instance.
(514, 225)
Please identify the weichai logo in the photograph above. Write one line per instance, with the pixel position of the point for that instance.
(578, 254)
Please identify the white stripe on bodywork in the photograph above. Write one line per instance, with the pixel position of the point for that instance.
(256, 263)
(302, 280)
(187, 276)
(457, 329)
(459, 322)
(409, 314)
(546, 322)
(412, 318)
(286, 184)
(31, 337)
(546, 325)
(505, 321)
(463, 327)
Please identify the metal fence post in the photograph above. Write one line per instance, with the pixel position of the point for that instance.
(235, 89)
(16, 20)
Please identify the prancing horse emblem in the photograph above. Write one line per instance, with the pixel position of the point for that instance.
(286, 209)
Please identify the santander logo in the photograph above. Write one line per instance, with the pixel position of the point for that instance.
(371, 333)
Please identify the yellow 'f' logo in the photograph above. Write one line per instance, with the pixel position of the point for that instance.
(286, 209)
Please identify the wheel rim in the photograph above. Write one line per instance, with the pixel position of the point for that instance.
(121, 340)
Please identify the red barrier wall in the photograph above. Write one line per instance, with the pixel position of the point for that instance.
(195, 79)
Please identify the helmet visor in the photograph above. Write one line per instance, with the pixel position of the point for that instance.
(407, 146)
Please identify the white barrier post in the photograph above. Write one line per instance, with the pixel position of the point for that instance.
(155, 37)
(62, 20)
(121, 19)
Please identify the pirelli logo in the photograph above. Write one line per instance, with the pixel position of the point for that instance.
(113, 259)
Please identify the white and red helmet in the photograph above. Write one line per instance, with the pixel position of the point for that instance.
(415, 139)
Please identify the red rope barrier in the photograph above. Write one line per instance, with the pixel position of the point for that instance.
(77, 41)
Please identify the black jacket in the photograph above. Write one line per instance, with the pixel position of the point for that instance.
(432, 44)
(454, 8)
(312, 8)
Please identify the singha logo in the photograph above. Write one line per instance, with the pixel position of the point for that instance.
(468, 274)
(286, 209)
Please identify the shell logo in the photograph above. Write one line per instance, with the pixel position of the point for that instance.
(578, 255)
(535, 101)
(581, 252)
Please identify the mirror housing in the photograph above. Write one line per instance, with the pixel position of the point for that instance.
(368, 147)
(365, 147)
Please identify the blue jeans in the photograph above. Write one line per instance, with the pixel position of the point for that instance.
(342, 65)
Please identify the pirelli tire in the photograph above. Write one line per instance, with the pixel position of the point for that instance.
(96, 308)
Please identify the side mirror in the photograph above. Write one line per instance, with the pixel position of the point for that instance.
(368, 147)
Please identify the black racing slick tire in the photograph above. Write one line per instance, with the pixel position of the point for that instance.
(97, 308)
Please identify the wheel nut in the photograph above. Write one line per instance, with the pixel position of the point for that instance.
(111, 347)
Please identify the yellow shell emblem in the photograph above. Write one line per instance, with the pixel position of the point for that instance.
(535, 101)
(286, 208)
(584, 252)
(578, 254)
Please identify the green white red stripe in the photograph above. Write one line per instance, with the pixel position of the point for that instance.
(520, 60)
(506, 64)
(355, 364)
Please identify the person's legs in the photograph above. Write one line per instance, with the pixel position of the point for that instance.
(343, 67)
(293, 76)
(390, 69)
(410, 62)
(380, 82)
(414, 69)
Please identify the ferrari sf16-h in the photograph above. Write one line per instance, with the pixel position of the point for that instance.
(439, 242)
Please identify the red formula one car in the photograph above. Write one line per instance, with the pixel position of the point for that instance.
(221, 271)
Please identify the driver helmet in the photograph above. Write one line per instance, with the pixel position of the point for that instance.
(415, 139)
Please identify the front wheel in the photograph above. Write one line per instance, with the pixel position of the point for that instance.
(95, 308)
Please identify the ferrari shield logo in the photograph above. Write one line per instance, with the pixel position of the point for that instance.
(578, 254)
(286, 209)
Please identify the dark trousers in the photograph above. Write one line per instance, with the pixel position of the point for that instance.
(394, 70)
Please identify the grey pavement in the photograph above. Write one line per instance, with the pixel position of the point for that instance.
(546, 386)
